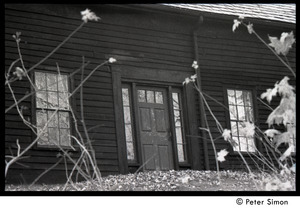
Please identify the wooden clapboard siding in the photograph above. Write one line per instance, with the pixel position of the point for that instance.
(150, 47)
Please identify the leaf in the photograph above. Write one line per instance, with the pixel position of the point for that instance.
(287, 153)
(221, 155)
(186, 81)
(241, 17)
(269, 94)
(248, 129)
(284, 44)
(236, 24)
(112, 60)
(284, 88)
(185, 180)
(88, 15)
(19, 72)
(281, 138)
(272, 132)
(250, 28)
(195, 65)
(284, 113)
(226, 134)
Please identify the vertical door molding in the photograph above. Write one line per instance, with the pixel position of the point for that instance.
(119, 116)
(172, 128)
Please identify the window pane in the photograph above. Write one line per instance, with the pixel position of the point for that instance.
(64, 119)
(177, 118)
(63, 100)
(231, 96)
(150, 96)
(180, 153)
(232, 112)
(41, 99)
(40, 80)
(41, 118)
(141, 96)
(239, 97)
(234, 128)
(64, 137)
(52, 82)
(249, 114)
(127, 116)
(240, 127)
(175, 100)
(159, 97)
(125, 96)
(54, 120)
(251, 145)
(236, 146)
(241, 113)
(247, 98)
(130, 151)
(243, 143)
(179, 135)
(43, 140)
(128, 132)
(53, 136)
(63, 83)
(52, 100)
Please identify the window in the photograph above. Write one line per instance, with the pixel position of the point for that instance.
(52, 109)
(131, 157)
(240, 111)
(178, 122)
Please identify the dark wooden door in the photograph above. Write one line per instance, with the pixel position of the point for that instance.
(155, 135)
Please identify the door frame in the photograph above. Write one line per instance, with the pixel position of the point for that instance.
(168, 88)
(133, 77)
(169, 141)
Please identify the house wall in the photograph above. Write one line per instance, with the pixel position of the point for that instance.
(238, 60)
(149, 46)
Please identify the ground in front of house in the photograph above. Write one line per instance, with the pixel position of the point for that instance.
(187, 180)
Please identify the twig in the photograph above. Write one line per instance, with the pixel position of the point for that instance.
(46, 171)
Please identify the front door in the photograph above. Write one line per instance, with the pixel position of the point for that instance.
(155, 135)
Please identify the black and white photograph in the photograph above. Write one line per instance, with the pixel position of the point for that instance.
(162, 98)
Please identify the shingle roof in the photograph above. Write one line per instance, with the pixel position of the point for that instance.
(275, 12)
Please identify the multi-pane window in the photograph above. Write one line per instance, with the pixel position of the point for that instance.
(241, 111)
(181, 144)
(52, 109)
(150, 96)
(128, 124)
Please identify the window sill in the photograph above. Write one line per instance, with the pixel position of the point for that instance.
(243, 153)
(55, 148)
(184, 164)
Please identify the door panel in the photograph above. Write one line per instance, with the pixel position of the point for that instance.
(160, 121)
(145, 119)
(148, 152)
(164, 161)
(154, 123)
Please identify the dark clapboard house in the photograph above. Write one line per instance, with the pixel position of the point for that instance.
(138, 110)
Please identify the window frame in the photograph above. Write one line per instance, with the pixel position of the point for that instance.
(183, 124)
(133, 123)
(34, 109)
(253, 92)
